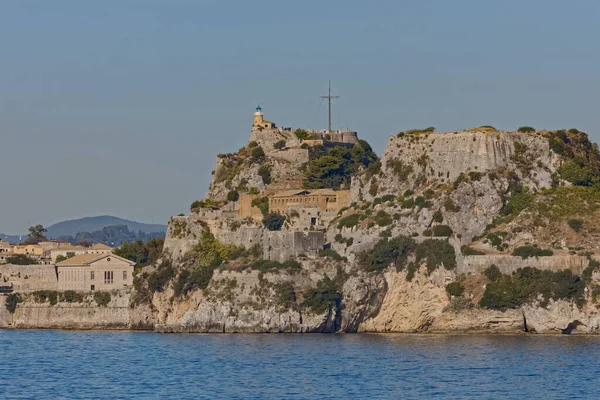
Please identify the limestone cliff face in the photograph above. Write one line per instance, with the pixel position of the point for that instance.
(462, 202)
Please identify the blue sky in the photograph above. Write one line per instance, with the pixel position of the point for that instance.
(120, 107)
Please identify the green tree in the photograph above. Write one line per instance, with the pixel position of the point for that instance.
(233, 195)
(273, 221)
(20, 259)
(36, 234)
(258, 152)
(334, 166)
(141, 253)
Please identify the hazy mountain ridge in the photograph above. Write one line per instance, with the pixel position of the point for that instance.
(92, 224)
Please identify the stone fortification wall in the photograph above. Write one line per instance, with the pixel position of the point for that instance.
(29, 277)
(278, 246)
(266, 138)
(295, 156)
(509, 264)
(86, 315)
(443, 156)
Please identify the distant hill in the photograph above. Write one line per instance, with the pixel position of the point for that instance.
(11, 238)
(92, 224)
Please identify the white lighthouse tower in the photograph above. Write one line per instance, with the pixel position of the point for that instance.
(258, 116)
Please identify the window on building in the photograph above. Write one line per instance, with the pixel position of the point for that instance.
(108, 277)
(124, 275)
(91, 275)
(92, 287)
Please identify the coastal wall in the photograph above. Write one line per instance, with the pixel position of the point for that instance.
(85, 315)
(29, 277)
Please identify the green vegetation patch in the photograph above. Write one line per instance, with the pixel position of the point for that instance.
(262, 204)
(531, 251)
(349, 221)
(324, 297)
(142, 253)
(469, 251)
(386, 252)
(332, 254)
(526, 129)
(417, 131)
(12, 300)
(275, 266)
(436, 253)
(273, 221)
(332, 167)
(401, 170)
(527, 284)
(265, 173)
(20, 259)
(102, 298)
(454, 289)
(575, 224)
(438, 231)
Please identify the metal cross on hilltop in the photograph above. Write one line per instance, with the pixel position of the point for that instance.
(329, 97)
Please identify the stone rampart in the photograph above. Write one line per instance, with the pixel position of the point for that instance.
(509, 264)
(85, 315)
(25, 278)
(275, 245)
(294, 156)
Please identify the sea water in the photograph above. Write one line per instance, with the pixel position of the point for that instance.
(111, 365)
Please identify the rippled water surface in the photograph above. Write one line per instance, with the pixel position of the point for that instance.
(81, 365)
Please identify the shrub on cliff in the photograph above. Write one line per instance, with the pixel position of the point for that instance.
(273, 221)
(160, 278)
(575, 224)
(12, 300)
(492, 273)
(439, 231)
(334, 255)
(303, 134)
(324, 297)
(417, 131)
(187, 281)
(386, 252)
(233, 195)
(436, 253)
(454, 289)
(531, 251)
(258, 153)
(42, 296)
(272, 266)
(20, 259)
(71, 296)
(102, 298)
(333, 167)
(262, 204)
(349, 221)
(526, 129)
(527, 285)
(279, 145)
(143, 253)
(469, 251)
(265, 173)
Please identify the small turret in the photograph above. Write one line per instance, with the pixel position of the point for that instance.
(258, 116)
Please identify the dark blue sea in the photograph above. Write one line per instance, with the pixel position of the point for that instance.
(117, 365)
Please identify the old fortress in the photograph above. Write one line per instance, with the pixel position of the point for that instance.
(308, 212)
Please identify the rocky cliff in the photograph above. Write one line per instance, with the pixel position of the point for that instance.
(472, 231)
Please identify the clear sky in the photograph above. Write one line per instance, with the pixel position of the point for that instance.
(120, 107)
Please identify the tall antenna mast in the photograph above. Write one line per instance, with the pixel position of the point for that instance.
(329, 97)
